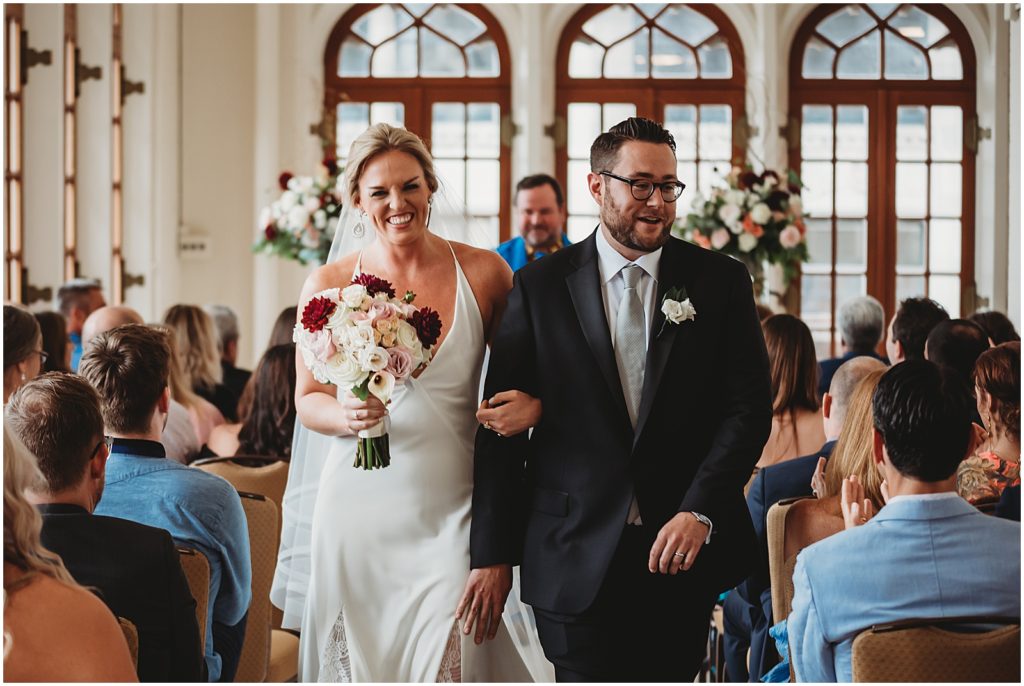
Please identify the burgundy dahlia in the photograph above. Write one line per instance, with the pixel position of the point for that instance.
(270, 232)
(776, 199)
(374, 284)
(427, 323)
(749, 179)
(283, 180)
(317, 312)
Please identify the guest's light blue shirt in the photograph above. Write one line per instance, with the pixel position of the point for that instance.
(925, 556)
(200, 510)
(517, 256)
(76, 350)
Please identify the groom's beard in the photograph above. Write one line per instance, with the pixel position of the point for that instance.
(627, 228)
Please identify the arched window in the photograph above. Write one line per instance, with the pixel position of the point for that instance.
(677, 64)
(881, 128)
(441, 71)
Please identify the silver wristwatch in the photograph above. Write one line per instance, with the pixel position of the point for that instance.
(704, 520)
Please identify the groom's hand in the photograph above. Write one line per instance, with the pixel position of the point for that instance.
(484, 600)
(683, 534)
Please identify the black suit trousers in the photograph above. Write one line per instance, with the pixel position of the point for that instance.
(641, 627)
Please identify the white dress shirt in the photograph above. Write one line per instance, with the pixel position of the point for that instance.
(610, 263)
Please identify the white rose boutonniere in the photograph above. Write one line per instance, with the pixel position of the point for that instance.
(676, 307)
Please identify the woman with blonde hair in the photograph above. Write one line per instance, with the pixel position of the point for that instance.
(809, 521)
(389, 561)
(201, 412)
(198, 357)
(54, 630)
(796, 425)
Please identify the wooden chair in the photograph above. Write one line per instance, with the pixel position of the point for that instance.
(131, 637)
(919, 650)
(266, 476)
(197, 573)
(260, 661)
(780, 568)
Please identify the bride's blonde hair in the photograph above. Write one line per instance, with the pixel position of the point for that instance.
(381, 138)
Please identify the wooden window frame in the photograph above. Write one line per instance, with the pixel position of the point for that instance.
(650, 94)
(14, 153)
(882, 97)
(418, 94)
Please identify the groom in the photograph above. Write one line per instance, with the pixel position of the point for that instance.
(625, 507)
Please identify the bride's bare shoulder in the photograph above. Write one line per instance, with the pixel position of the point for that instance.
(485, 268)
(333, 275)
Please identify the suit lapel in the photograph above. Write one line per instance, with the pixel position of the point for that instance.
(585, 289)
(671, 273)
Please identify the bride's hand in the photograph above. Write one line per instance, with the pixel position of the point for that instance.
(483, 601)
(361, 414)
(509, 412)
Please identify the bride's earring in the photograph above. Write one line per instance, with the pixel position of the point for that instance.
(430, 209)
(359, 229)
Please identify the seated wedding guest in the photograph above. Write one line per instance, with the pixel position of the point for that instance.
(199, 358)
(540, 221)
(129, 368)
(284, 325)
(54, 630)
(23, 348)
(861, 324)
(997, 325)
(796, 425)
(178, 437)
(748, 610)
(56, 343)
(226, 323)
(957, 344)
(927, 553)
(76, 300)
(996, 465)
(1008, 506)
(134, 567)
(267, 428)
(201, 412)
(907, 332)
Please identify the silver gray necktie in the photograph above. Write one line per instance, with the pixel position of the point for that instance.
(631, 339)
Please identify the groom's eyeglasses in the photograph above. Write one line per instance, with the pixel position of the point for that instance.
(643, 189)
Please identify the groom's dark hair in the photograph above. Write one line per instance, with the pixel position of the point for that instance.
(604, 152)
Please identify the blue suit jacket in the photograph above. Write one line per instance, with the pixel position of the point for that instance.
(919, 557)
(827, 368)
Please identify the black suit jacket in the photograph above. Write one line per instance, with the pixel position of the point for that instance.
(558, 501)
(234, 378)
(136, 570)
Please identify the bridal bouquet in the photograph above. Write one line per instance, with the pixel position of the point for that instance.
(364, 339)
(299, 225)
(757, 217)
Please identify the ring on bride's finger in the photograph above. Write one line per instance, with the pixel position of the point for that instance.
(682, 555)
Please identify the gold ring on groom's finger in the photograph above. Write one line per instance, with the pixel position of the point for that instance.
(682, 555)
(487, 425)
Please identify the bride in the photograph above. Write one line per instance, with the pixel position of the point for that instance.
(389, 555)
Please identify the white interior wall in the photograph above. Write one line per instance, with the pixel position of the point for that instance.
(231, 91)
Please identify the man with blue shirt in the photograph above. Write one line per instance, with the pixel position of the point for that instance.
(926, 554)
(76, 300)
(540, 211)
(129, 367)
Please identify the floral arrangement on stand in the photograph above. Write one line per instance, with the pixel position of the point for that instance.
(756, 218)
(300, 224)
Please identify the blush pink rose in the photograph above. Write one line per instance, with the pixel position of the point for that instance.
(400, 362)
(321, 345)
(790, 237)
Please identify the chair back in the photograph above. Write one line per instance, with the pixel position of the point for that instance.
(266, 476)
(919, 650)
(261, 517)
(197, 573)
(780, 567)
(131, 637)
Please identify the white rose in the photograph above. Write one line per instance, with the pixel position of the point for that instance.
(760, 213)
(288, 200)
(294, 185)
(735, 196)
(345, 372)
(730, 214)
(790, 237)
(298, 217)
(747, 242)
(320, 219)
(678, 312)
(374, 358)
(353, 295)
(407, 337)
(357, 338)
(719, 239)
(312, 204)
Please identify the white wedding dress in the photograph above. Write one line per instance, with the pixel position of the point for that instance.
(390, 547)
